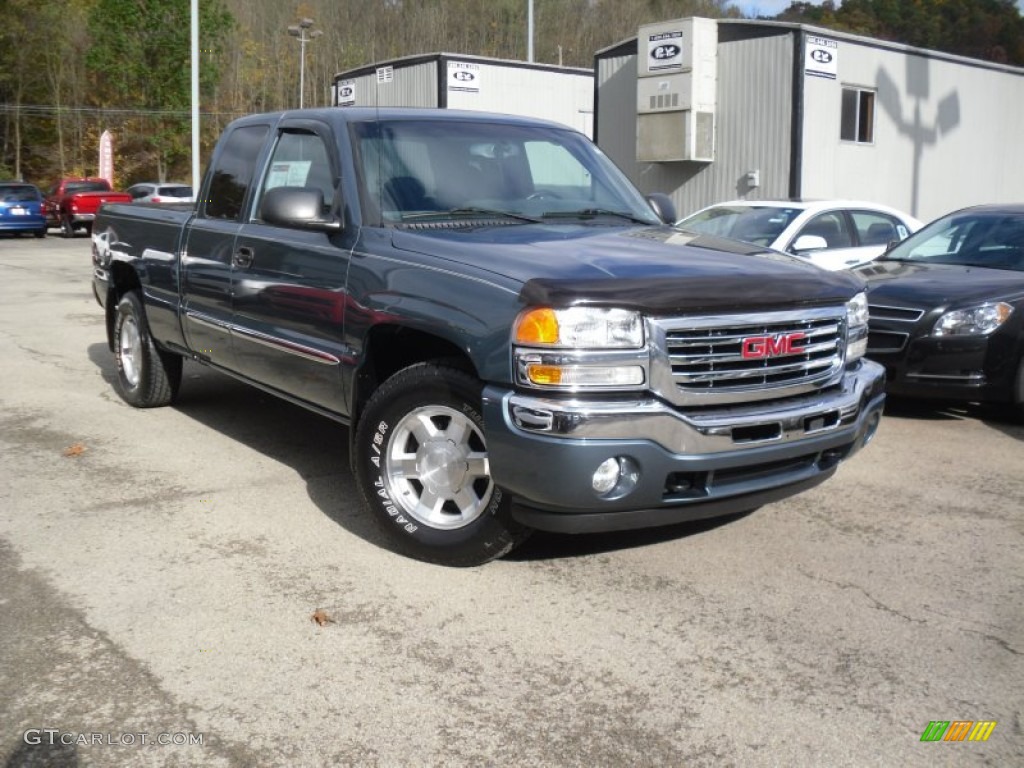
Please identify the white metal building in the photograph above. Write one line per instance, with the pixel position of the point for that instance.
(447, 80)
(708, 111)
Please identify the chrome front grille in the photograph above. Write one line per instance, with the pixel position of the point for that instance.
(737, 358)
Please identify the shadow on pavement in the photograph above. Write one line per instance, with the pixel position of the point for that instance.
(998, 416)
(547, 546)
(312, 445)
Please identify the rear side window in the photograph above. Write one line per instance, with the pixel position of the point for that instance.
(874, 228)
(233, 172)
(174, 191)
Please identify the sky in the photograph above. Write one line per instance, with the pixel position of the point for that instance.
(752, 8)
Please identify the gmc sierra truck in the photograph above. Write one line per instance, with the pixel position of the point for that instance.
(515, 337)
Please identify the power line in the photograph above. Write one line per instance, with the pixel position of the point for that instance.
(53, 109)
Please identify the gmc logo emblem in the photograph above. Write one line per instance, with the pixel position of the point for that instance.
(760, 347)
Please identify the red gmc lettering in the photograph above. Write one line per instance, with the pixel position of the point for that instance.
(757, 347)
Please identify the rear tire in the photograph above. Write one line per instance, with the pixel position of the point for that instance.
(67, 229)
(40, 232)
(147, 377)
(422, 467)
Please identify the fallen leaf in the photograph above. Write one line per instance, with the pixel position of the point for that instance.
(74, 450)
(320, 617)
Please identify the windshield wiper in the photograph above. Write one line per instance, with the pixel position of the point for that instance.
(589, 213)
(470, 211)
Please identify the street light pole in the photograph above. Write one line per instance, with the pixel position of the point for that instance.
(305, 35)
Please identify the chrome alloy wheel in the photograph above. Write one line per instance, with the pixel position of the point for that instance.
(436, 468)
(131, 350)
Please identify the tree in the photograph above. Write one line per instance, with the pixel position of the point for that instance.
(139, 62)
(981, 29)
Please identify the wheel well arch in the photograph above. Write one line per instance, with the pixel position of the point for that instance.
(390, 348)
(123, 279)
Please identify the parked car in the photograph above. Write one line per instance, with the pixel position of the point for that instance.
(834, 234)
(21, 208)
(71, 204)
(947, 308)
(157, 192)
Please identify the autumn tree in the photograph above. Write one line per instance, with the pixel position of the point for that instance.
(992, 30)
(139, 68)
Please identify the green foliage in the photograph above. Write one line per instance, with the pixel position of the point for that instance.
(140, 59)
(991, 30)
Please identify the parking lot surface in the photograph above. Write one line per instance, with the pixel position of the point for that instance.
(160, 571)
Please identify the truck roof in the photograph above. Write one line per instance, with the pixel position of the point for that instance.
(368, 114)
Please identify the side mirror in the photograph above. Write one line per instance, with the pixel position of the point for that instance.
(809, 243)
(296, 208)
(663, 207)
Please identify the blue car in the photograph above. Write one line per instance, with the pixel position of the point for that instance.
(21, 208)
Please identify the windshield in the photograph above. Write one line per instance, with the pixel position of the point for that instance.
(425, 171)
(976, 239)
(73, 187)
(760, 225)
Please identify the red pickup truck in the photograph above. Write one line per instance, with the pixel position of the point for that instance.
(72, 203)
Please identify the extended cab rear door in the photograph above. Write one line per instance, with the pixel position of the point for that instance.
(210, 244)
(289, 284)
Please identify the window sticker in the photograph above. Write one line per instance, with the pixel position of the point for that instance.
(288, 174)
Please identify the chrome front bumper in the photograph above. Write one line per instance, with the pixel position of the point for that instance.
(701, 431)
(682, 464)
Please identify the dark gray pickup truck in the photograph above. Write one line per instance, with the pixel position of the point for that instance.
(515, 337)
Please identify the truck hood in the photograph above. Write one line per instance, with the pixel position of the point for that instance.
(657, 269)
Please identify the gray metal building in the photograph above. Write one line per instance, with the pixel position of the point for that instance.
(708, 111)
(447, 80)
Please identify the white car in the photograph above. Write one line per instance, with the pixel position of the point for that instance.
(834, 234)
(160, 192)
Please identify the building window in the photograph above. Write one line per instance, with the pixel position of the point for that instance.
(858, 118)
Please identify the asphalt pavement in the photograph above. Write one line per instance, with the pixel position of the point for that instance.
(162, 573)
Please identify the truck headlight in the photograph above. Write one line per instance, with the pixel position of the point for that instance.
(580, 328)
(974, 321)
(856, 327)
(580, 348)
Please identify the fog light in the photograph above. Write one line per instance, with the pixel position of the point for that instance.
(606, 476)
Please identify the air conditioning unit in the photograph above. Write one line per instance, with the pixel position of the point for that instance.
(677, 86)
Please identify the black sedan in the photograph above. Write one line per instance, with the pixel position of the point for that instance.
(947, 308)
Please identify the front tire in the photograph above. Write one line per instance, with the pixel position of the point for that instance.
(422, 467)
(146, 376)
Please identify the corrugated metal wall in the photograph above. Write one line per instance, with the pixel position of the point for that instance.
(752, 126)
(563, 97)
(413, 85)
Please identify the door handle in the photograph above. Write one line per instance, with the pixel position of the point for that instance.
(243, 257)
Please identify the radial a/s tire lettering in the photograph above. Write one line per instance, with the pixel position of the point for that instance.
(422, 468)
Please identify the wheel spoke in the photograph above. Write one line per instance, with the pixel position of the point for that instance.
(430, 504)
(479, 465)
(403, 467)
(467, 501)
(423, 428)
(458, 431)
